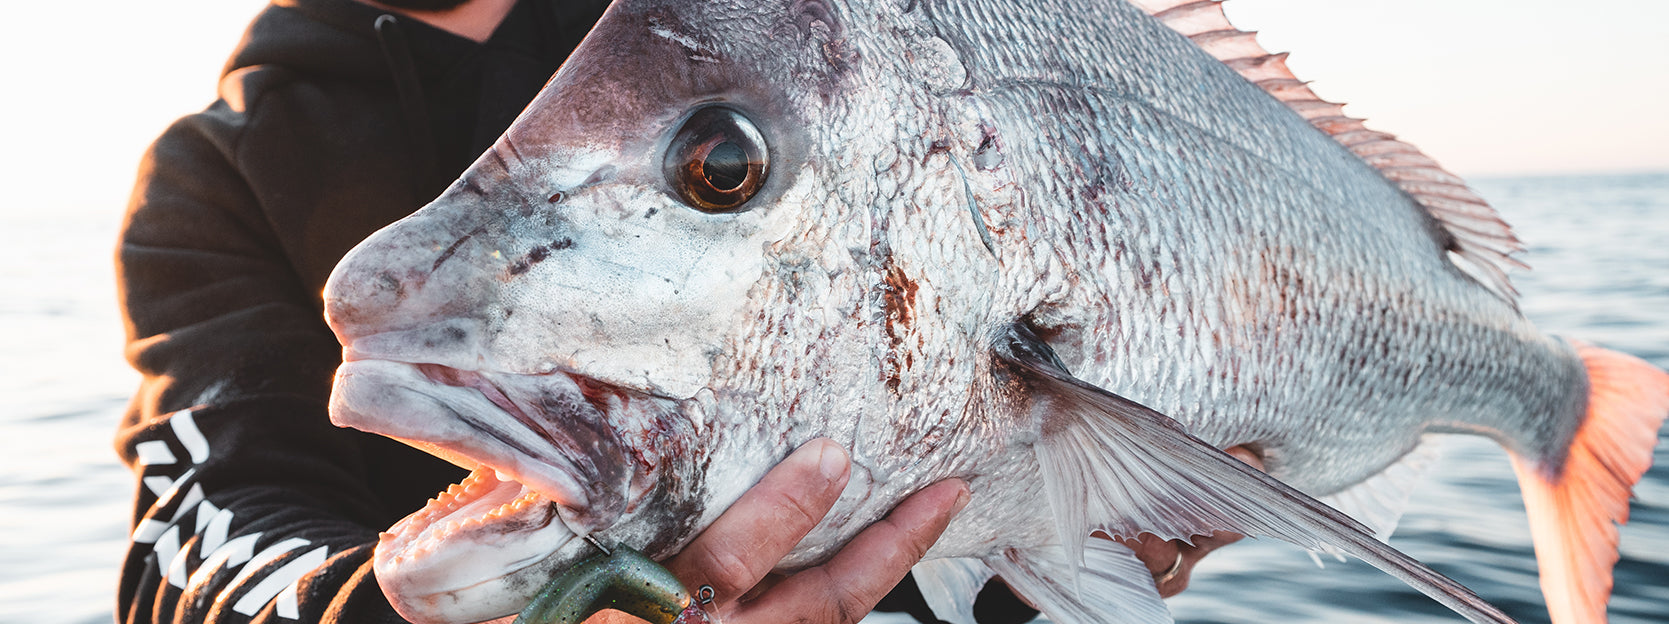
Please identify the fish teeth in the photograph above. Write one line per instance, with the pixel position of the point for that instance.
(447, 501)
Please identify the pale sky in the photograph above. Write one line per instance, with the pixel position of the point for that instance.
(1487, 87)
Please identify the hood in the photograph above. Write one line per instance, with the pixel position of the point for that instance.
(455, 95)
(288, 33)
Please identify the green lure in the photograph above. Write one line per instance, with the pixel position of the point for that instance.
(622, 579)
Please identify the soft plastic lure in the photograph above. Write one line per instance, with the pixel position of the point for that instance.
(622, 579)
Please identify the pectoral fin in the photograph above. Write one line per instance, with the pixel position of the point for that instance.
(1114, 465)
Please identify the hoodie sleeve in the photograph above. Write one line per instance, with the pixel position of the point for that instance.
(250, 505)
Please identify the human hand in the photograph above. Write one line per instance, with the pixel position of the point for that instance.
(1172, 561)
(736, 554)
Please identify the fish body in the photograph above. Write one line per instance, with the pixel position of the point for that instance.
(986, 240)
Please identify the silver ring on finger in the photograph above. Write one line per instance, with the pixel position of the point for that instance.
(1171, 572)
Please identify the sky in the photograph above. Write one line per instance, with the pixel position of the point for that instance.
(1488, 87)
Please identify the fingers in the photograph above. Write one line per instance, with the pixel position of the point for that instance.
(849, 585)
(1172, 562)
(744, 543)
(1245, 455)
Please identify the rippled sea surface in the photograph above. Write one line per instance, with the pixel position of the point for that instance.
(1599, 246)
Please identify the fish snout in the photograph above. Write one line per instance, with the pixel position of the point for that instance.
(446, 261)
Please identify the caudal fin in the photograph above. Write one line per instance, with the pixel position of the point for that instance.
(1575, 508)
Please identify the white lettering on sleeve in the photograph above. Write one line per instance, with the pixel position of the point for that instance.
(277, 581)
(272, 552)
(185, 428)
(155, 453)
(166, 548)
(229, 555)
(148, 530)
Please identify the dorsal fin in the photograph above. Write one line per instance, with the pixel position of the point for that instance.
(1481, 243)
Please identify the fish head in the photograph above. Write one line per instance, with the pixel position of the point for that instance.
(717, 233)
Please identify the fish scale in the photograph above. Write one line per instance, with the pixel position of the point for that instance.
(1056, 250)
(1323, 226)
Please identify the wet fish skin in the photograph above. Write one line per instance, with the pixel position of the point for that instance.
(1234, 267)
(941, 172)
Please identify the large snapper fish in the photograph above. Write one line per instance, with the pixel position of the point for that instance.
(993, 240)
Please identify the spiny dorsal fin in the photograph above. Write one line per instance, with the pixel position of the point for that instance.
(1481, 244)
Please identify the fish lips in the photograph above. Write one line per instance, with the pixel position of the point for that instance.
(544, 431)
(548, 468)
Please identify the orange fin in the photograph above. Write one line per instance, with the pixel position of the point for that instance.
(1575, 507)
(1480, 242)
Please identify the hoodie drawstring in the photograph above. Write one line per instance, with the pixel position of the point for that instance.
(397, 52)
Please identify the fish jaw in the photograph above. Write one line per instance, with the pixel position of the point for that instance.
(555, 457)
(471, 553)
(539, 429)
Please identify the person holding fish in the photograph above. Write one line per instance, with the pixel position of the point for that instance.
(1061, 252)
(336, 118)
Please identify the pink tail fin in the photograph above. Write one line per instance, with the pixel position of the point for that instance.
(1575, 508)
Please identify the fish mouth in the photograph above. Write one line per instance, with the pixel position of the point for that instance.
(482, 532)
(548, 466)
(550, 432)
(481, 499)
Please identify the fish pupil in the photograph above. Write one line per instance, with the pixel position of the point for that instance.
(726, 166)
(716, 161)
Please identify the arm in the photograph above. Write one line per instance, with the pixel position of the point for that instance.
(250, 505)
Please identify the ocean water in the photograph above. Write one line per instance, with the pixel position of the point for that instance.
(1601, 272)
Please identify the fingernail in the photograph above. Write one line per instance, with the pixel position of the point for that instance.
(833, 462)
(961, 500)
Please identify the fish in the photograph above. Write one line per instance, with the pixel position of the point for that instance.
(1064, 251)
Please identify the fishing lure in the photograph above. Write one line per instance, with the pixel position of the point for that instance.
(622, 579)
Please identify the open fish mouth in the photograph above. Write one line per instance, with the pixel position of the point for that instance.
(483, 498)
(548, 467)
(480, 531)
(550, 432)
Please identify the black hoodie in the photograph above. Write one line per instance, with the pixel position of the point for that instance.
(329, 126)
(334, 119)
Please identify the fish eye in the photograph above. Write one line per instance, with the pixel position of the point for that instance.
(717, 161)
